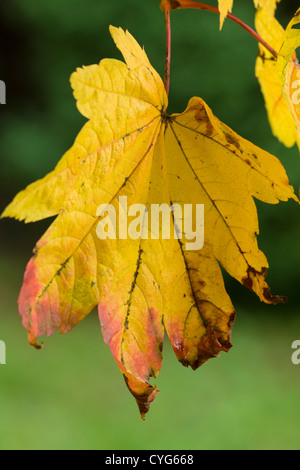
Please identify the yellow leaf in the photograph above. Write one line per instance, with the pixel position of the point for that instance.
(269, 5)
(147, 285)
(289, 70)
(280, 117)
(119, 100)
(225, 7)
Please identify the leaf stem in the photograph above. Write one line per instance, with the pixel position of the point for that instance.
(168, 50)
(182, 4)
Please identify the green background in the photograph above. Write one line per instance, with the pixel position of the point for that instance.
(71, 394)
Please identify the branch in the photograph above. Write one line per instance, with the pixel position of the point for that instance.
(168, 50)
(182, 4)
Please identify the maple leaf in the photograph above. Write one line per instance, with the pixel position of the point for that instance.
(279, 77)
(146, 286)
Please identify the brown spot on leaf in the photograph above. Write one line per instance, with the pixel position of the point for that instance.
(248, 281)
(203, 118)
(232, 140)
(35, 251)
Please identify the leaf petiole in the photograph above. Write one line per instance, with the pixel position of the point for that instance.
(168, 50)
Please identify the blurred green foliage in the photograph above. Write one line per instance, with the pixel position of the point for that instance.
(70, 394)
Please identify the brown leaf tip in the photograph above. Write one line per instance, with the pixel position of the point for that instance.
(211, 346)
(274, 299)
(32, 341)
(255, 281)
(143, 399)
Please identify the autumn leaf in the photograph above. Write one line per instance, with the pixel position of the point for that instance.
(277, 77)
(225, 7)
(269, 5)
(146, 286)
(289, 70)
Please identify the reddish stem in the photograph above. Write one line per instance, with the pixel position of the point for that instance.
(168, 50)
(182, 4)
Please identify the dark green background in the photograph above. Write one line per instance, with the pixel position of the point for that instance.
(71, 395)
